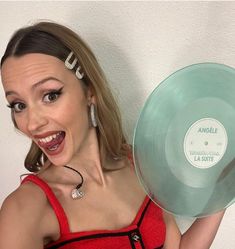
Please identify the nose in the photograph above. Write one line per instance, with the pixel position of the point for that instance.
(36, 120)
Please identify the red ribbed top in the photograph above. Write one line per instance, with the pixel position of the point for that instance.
(146, 231)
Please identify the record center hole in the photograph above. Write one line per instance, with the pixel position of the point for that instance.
(206, 143)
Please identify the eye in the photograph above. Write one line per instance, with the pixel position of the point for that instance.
(17, 106)
(52, 96)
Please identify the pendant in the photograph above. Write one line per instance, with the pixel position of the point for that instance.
(77, 194)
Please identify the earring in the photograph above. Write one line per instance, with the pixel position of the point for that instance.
(42, 159)
(92, 115)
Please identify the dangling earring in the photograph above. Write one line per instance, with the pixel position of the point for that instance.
(92, 115)
(42, 159)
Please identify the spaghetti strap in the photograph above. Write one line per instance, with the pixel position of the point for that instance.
(58, 209)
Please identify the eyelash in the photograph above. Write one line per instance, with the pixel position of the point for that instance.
(58, 92)
(53, 92)
(13, 105)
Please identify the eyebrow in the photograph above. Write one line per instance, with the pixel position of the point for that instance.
(37, 84)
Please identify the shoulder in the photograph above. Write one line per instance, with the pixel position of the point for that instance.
(21, 215)
(26, 198)
(26, 201)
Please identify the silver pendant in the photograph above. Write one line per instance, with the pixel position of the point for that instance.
(77, 194)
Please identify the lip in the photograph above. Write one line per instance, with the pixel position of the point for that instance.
(57, 151)
(45, 146)
(46, 134)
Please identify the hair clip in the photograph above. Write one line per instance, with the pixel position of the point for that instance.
(79, 74)
(73, 64)
(68, 64)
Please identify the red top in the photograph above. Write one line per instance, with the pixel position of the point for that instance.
(146, 231)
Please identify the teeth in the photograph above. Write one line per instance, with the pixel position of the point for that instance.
(49, 138)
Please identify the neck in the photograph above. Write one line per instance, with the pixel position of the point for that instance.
(88, 162)
(91, 169)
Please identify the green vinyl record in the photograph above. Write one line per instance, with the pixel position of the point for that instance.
(184, 141)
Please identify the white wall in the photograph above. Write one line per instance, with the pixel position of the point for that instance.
(138, 44)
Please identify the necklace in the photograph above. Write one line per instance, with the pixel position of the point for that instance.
(76, 192)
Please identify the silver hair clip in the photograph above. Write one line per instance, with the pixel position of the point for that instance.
(72, 65)
(79, 74)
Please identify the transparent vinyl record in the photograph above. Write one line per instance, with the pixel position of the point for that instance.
(184, 141)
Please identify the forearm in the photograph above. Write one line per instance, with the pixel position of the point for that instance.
(202, 232)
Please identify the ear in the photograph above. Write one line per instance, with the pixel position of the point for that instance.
(91, 98)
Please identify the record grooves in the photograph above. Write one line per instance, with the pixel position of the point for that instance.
(184, 141)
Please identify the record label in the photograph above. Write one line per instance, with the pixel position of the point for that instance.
(205, 143)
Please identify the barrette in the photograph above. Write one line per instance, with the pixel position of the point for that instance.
(70, 65)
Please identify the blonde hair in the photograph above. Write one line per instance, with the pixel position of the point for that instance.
(57, 40)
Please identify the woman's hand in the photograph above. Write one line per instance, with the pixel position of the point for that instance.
(200, 235)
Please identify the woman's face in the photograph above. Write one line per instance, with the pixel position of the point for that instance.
(49, 104)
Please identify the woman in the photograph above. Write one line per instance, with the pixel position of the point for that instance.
(84, 192)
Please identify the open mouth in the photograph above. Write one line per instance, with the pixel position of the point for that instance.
(52, 144)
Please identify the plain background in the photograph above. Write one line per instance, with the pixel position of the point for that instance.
(138, 44)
